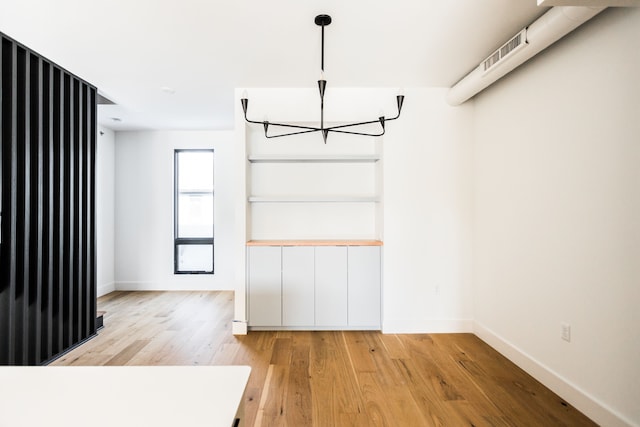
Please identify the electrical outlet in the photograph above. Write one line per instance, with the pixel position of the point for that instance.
(566, 332)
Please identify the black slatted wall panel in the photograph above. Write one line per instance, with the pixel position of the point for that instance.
(47, 166)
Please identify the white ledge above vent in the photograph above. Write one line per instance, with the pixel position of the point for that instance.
(591, 3)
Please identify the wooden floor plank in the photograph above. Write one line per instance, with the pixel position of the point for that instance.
(427, 399)
(358, 351)
(281, 354)
(393, 345)
(434, 371)
(123, 357)
(388, 376)
(275, 395)
(326, 378)
(299, 402)
(335, 393)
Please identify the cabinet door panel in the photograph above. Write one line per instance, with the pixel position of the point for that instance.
(364, 286)
(265, 289)
(331, 285)
(297, 285)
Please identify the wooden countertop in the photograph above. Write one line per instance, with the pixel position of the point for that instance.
(314, 243)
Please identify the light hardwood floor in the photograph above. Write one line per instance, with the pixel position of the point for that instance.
(327, 378)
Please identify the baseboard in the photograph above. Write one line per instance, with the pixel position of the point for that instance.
(137, 286)
(177, 285)
(239, 327)
(106, 288)
(428, 326)
(584, 402)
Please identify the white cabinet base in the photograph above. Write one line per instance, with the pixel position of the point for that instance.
(264, 290)
(331, 287)
(364, 285)
(297, 286)
(315, 328)
(305, 287)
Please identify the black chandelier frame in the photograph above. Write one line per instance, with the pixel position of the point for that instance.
(322, 21)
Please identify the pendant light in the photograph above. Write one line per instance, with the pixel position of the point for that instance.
(296, 129)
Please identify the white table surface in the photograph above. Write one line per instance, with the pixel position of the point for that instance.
(121, 396)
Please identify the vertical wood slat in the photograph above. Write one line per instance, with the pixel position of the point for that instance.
(5, 156)
(47, 233)
(69, 174)
(36, 208)
(79, 209)
(3, 297)
(9, 184)
(23, 187)
(47, 165)
(59, 212)
(89, 313)
(13, 235)
(92, 107)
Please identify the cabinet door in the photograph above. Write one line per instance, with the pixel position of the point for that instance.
(297, 286)
(265, 286)
(331, 285)
(364, 286)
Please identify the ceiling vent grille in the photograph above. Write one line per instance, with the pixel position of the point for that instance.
(513, 45)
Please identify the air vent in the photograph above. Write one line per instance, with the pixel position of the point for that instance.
(492, 60)
(513, 45)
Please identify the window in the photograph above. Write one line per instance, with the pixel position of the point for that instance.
(193, 212)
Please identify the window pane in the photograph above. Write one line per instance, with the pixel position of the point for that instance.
(195, 194)
(195, 258)
(195, 171)
(195, 212)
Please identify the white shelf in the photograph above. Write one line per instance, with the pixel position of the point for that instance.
(333, 158)
(303, 189)
(314, 199)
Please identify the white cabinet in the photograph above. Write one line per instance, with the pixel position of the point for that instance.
(314, 287)
(297, 285)
(364, 285)
(265, 286)
(331, 285)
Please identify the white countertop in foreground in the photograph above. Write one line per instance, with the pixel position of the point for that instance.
(123, 396)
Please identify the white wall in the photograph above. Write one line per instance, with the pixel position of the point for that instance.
(105, 264)
(557, 216)
(427, 217)
(144, 210)
(426, 198)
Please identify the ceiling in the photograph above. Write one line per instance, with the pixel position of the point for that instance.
(175, 64)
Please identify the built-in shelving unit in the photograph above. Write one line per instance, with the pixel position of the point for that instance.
(313, 231)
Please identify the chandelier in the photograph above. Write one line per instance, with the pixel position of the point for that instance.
(322, 21)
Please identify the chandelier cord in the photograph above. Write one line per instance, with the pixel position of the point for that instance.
(321, 86)
(322, 50)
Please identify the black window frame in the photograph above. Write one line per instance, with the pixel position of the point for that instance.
(181, 241)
